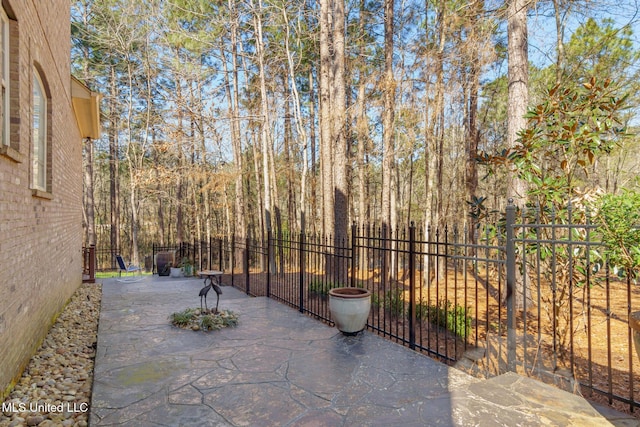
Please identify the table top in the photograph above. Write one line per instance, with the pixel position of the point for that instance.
(209, 273)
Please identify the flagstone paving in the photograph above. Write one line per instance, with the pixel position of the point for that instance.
(279, 367)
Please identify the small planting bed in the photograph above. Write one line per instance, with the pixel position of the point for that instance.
(203, 320)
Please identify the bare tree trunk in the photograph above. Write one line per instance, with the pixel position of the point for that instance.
(517, 107)
(259, 195)
(160, 200)
(429, 158)
(114, 165)
(341, 158)
(559, 41)
(362, 132)
(339, 108)
(180, 160)
(233, 111)
(473, 135)
(288, 137)
(363, 137)
(312, 149)
(264, 108)
(300, 129)
(388, 155)
(326, 131)
(438, 135)
(518, 84)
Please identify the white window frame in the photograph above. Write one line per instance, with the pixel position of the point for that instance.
(5, 112)
(39, 132)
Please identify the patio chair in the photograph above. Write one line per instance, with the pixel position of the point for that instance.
(130, 270)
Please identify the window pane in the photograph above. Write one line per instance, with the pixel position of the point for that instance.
(4, 78)
(39, 135)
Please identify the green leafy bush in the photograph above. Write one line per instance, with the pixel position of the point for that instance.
(444, 314)
(321, 287)
(394, 302)
(618, 220)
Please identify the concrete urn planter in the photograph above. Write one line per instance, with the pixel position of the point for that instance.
(634, 324)
(176, 272)
(349, 308)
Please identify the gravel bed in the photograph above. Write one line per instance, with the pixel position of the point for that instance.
(55, 388)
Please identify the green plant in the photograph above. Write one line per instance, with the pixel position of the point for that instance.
(208, 322)
(375, 299)
(183, 318)
(394, 301)
(618, 220)
(228, 318)
(554, 156)
(187, 266)
(321, 287)
(222, 319)
(193, 318)
(444, 314)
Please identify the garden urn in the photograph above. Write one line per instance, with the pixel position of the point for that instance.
(349, 308)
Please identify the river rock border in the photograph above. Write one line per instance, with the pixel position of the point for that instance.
(55, 388)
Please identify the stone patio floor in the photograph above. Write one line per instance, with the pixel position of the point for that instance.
(279, 367)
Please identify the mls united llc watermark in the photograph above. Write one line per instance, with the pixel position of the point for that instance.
(43, 408)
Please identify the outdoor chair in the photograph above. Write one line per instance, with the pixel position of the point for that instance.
(130, 271)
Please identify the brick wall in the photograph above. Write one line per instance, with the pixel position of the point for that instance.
(40, 232)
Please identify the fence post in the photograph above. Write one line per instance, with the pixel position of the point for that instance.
(233, 257)
(269, 255)
(412, 285)
(220, 258)
(511, 287)
(246, 266)
(301, 259)
(353, 254)
(209, 253)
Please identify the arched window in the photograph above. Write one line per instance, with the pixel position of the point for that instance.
(4, 77)
(39, 133)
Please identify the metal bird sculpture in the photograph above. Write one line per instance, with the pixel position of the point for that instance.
(204, 291)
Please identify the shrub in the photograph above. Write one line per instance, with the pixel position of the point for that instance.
(394, 302)
(618, 220)
(321, 287)
(193, 318)
(445, 315)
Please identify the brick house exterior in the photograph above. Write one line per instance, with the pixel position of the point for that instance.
(40, 180)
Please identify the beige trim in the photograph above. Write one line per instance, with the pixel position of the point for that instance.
(41, 194)
(86, 105)
(12, 154)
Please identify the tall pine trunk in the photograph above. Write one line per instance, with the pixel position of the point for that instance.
(518, 76)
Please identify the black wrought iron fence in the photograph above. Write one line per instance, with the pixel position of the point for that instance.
(526, 297)
(572, 326)
(516, 295)
(202, 255)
